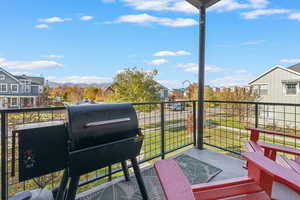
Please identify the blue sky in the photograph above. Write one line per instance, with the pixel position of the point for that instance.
(88, 41)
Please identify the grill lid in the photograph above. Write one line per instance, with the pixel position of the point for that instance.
(97, 124)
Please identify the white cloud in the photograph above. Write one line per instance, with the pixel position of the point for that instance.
(290, 60)
(80, 79)
(19, 73)
(232, 80)
(53, 56)
(86, 18)
(230, 5)
(29, 65)
(170, 83)
(254, 42)
(193, 67)
(41, 26)
(172, 53)
(263, 12)
(158, 62)
(54, 20)
(295, 16)
(183, 6)
(149, 19)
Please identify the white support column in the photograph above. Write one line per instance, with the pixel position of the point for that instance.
(34, 101)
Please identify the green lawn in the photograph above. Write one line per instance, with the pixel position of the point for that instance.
(233, 122)
(157, 125)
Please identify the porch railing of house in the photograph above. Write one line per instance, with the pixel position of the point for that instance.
(168, 128)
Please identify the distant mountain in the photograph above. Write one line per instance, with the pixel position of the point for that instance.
(82, 85)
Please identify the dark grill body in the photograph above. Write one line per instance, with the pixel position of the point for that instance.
(91, 125)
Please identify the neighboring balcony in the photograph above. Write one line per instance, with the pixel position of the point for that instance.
(169, 132)
(25, 94)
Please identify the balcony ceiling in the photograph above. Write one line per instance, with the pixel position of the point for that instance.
(199, 3)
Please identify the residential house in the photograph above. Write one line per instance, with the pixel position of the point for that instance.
(20, 91)
(164, 92)
(279, 85)
(177, 93)
(216, 89)
(107, 89)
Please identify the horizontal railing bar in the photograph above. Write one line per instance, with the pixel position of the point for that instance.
(16, 110)
(224, 149)
(251, 102)
(19, 110)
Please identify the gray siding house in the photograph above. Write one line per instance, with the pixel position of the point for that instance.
(279, 85)
(20, 91)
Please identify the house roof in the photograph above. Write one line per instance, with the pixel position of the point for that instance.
(295, 67)
(9, 74)
(35, 80)
(279, 67)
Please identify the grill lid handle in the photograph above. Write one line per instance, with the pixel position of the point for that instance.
(107, 122)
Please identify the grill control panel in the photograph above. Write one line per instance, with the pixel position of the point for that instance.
(29, 160)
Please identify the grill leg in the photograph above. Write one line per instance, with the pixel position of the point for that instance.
(109, 173)
(62, 187)
(73, 188)
(125, 170)
(139, 178)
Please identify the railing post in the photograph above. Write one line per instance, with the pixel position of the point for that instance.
(162, 129)
(256, 115)
(194, 124)
(4, 137)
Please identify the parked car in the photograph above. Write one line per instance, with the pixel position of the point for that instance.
(177, 107)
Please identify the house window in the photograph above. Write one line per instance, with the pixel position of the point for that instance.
(2, 77)
(14, 101)
(27, 88)
(291, 88)
(26, 82)
(14, 88)
(3, 87)
(263, 90)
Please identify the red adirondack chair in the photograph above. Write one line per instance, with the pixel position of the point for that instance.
(270, 150)
(262, 172)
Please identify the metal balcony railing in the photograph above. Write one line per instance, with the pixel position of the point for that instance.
(168, 127)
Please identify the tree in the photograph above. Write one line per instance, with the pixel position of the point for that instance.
(90, 92)
(101, 96)
(73, 95)
(134, 85)
(237, 94)
(193, 92)
(45, 95)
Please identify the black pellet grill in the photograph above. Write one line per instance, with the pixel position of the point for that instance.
(95, 136)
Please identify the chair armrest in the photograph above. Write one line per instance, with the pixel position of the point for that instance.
(174, 183)
(292, 164)
(271, 132)
(279, 174)
(279, 148)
